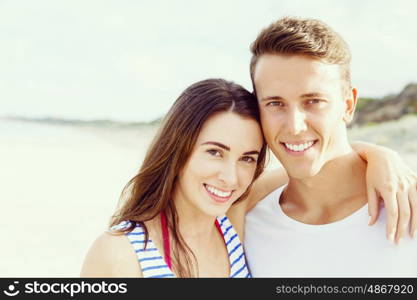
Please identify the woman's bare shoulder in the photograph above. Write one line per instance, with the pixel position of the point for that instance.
(111, 255)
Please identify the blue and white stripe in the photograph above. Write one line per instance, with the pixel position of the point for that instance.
(238, 266)
(153, 264)
(151, 261)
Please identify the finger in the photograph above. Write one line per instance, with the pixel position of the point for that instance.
(373, 206)
(403, 213)
(412, 197)
(391, 208)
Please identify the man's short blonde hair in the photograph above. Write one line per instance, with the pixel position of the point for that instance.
(309, 37)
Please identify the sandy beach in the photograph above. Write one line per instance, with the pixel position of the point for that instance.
(60, 184)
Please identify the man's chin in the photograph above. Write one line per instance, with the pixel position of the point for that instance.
(302, 172)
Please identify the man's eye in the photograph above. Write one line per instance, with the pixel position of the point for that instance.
(313, 101)
(274, 103)
(214, 152)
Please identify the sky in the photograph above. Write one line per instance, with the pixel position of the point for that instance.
(128, 60)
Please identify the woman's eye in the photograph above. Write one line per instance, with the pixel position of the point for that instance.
(214, 152)
(248, 159)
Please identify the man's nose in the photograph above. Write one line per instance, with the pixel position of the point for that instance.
(296, 121)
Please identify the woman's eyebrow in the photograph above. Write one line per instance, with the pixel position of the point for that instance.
(251, 152)
(217, 144)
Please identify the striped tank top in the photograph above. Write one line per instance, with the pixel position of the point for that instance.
(153, 264)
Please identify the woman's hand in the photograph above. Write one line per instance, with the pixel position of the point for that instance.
(390, 179)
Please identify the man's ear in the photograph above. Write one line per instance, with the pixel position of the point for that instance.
(350, 101)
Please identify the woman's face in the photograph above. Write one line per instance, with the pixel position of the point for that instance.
(221, 165)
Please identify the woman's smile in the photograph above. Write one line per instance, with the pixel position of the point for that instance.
(218, 195)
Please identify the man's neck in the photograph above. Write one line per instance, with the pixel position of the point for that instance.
(338, 190)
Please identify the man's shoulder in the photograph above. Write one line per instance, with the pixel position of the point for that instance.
(268, 199)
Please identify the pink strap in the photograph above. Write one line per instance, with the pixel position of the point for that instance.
(165, 239)
(218, 227)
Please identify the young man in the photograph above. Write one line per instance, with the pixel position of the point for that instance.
(314, 226)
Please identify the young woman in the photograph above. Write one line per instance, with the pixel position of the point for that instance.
(205, 157)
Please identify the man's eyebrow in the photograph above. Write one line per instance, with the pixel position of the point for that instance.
(309, 95)
(254, 152)
(312, 95)
(271, 98)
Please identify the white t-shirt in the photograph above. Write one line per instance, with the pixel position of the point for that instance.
(279, 246)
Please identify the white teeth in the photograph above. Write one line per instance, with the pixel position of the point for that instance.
(300, 147)
(217, 192)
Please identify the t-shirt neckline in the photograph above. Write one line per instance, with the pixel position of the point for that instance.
(361, 213)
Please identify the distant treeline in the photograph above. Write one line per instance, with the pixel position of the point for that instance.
(392, 107)
(364, 101)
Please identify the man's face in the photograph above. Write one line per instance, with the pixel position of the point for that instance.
(303, 111)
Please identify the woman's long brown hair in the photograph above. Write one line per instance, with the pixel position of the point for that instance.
(150, 192)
